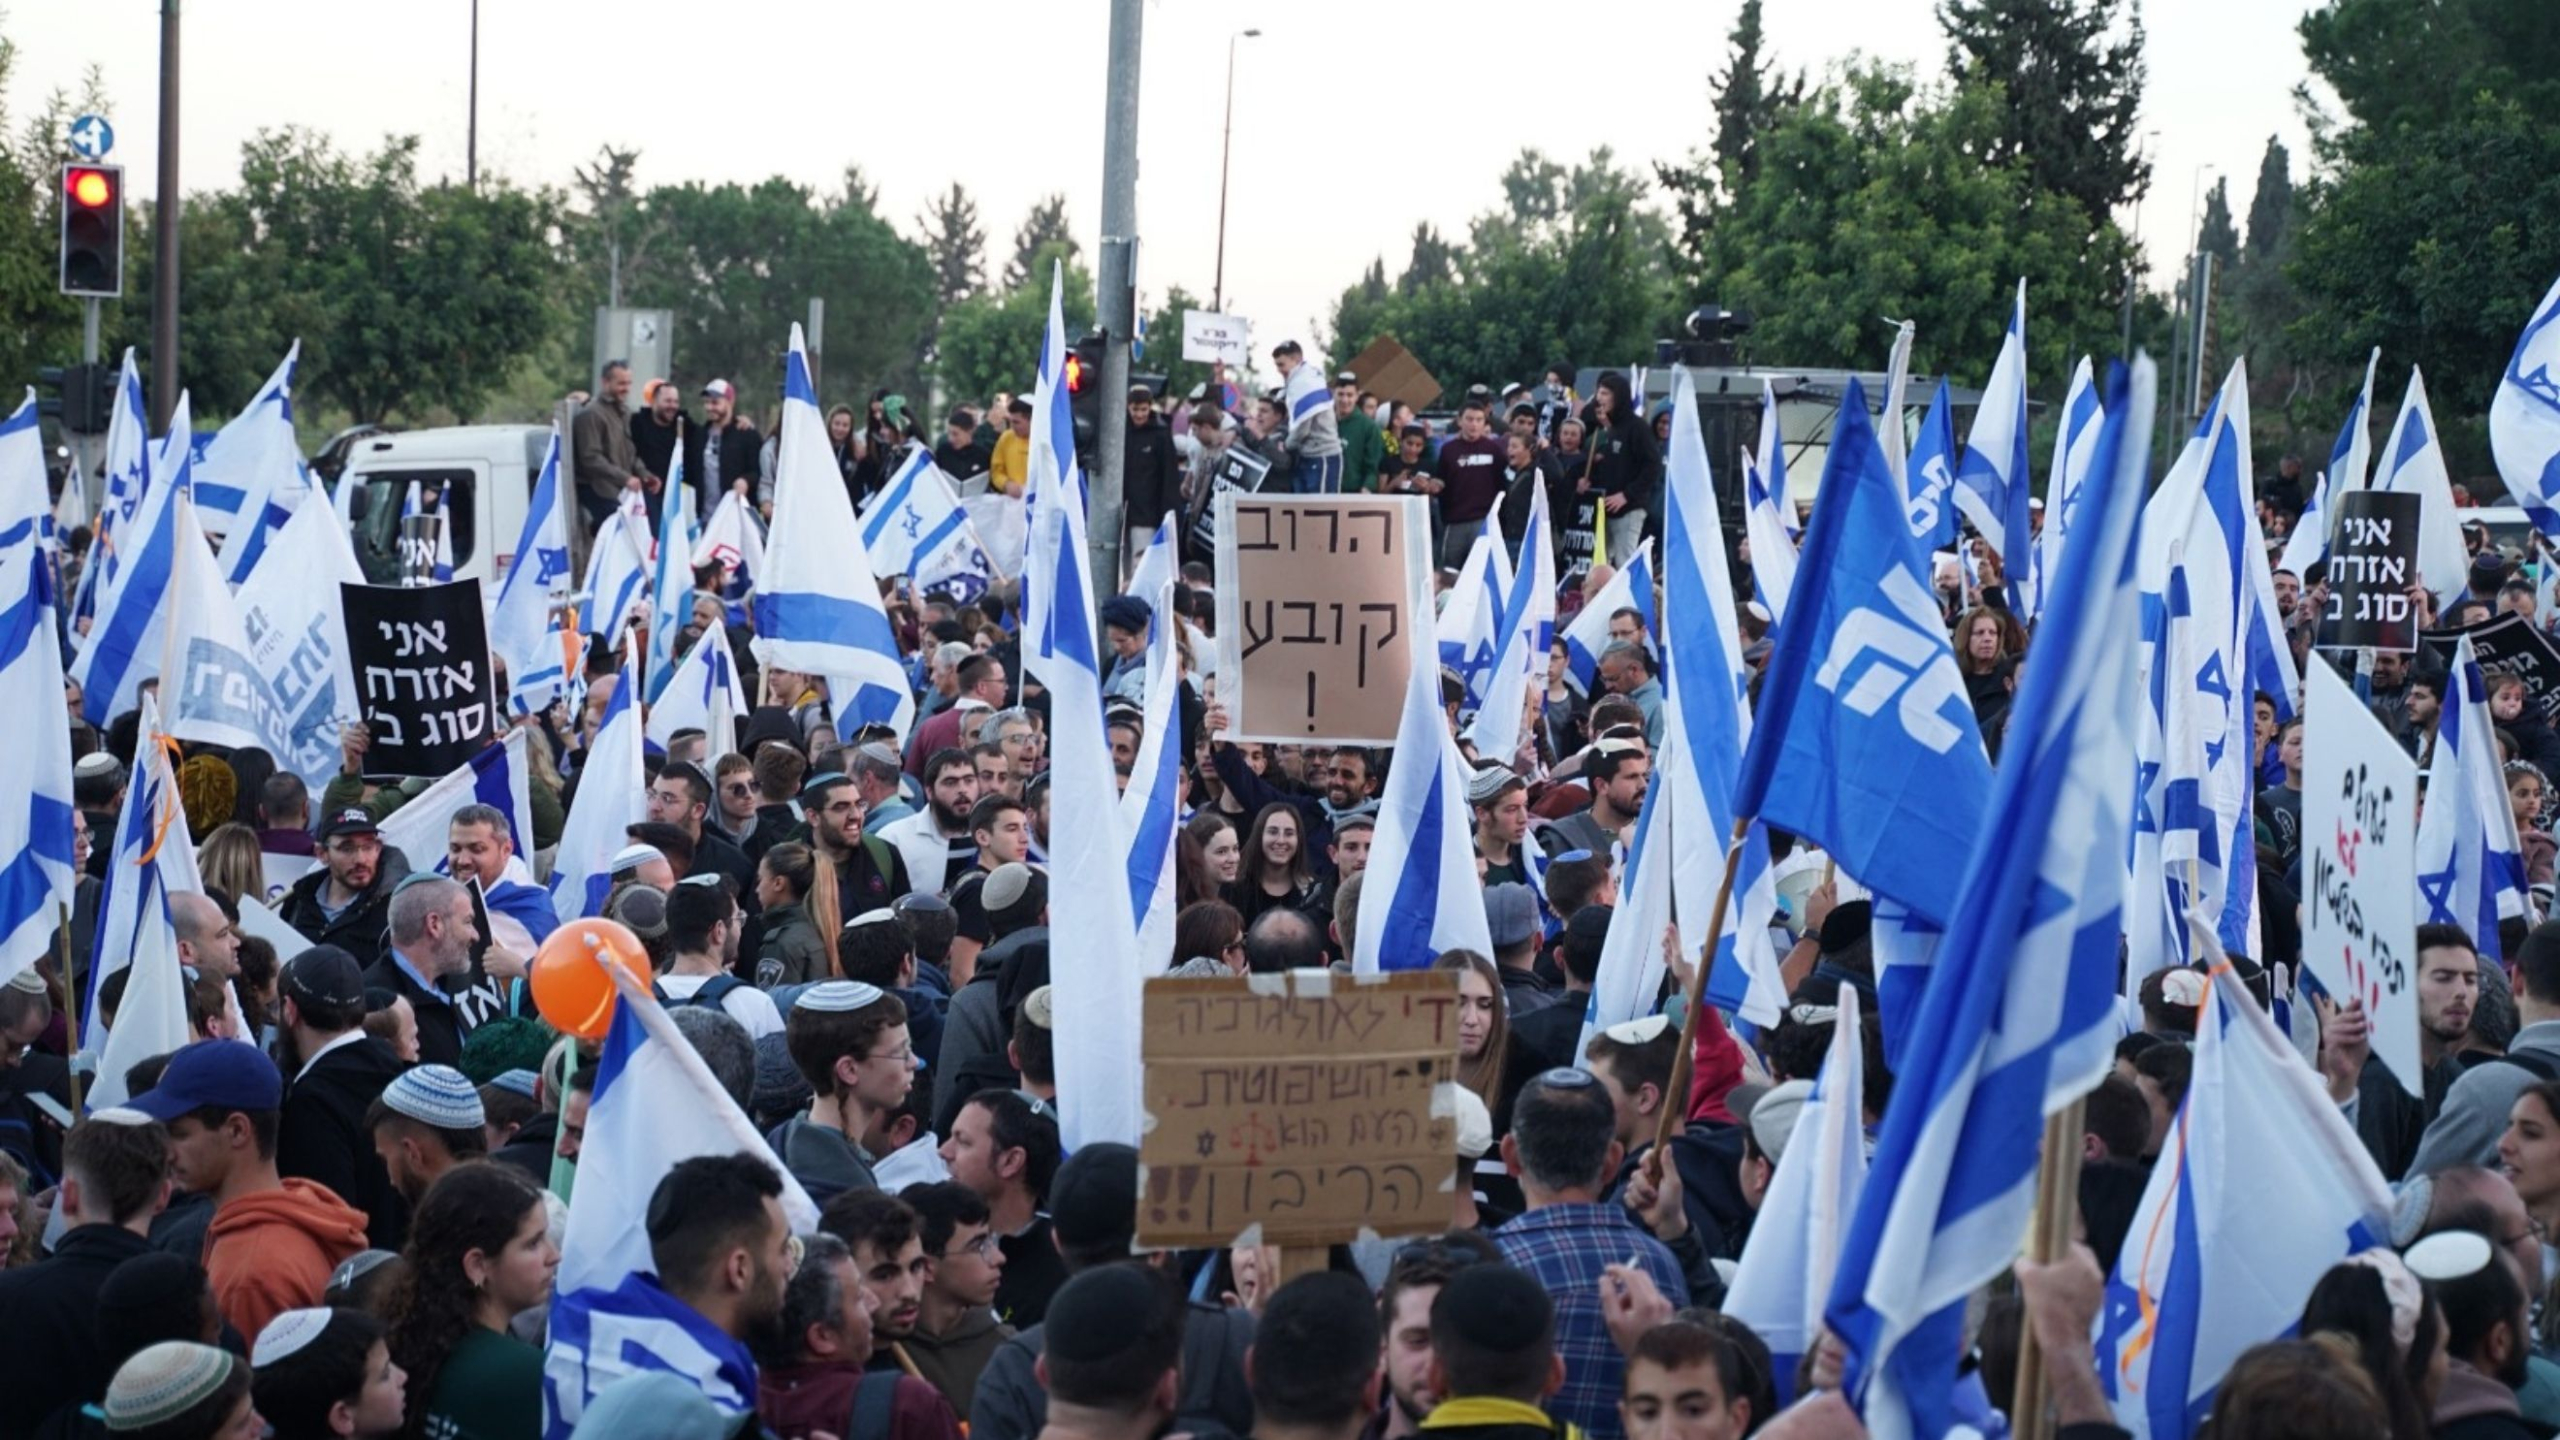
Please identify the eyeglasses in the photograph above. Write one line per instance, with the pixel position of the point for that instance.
(904, 1054)
(984, 1247)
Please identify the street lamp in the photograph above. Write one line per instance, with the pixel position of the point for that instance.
(1218, 286)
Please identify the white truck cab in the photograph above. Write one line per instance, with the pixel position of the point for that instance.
(488, 471)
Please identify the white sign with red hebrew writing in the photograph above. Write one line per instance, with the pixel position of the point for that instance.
(2360, 866)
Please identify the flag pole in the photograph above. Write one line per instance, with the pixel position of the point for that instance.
(2048, 1240)
(1687, 1060)
(70, 1001)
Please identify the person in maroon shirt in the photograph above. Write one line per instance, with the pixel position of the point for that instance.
(1471, 478)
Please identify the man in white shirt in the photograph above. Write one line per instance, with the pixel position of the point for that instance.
(935, 841)
(702, 931)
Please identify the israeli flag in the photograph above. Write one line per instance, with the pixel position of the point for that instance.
(36, 872)
(1306, 394)
(702, 693)
(1631, 957)
(1421, 896)
(1794, 1249)
(152, 1018)
(2351, 457)
(734, 538)
(440, 568)
(1865, 742)
(297, 634)
(236, 470)
(2308, 545)
(529, 630)
(670, 576)
(154, 857)
(2261, 1186)
(1704, 684)
(1523, 630)
(2524, 417)
(916, 528)
(1468, 625)
(1991, 479)
(617, 569)
(2268, 651)
(1159, 565)
(613, 795)
(2073, 444)
(126, 480)
(2194, 845)
(2470, 865)
(1930, 473)
(2413, 463)
(497, 776)
(1150, 809)
(122, 649)
(215, 690)
(1767, 515)
(1587, 635)
(2020, 1008)
(819, 611)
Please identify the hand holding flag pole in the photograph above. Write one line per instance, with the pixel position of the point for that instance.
(1689, 1030)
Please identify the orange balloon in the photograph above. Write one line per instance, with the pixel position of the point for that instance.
(571, 987)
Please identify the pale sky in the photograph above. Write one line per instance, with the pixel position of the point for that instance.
(1352, 120)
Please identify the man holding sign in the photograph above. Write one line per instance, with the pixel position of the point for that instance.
(2387, 1118)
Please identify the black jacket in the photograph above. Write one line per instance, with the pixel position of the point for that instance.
(740, 453)
(320, 1135)
(1623, 459)
(442, 1025)
(360, 928)
(960, 461)
(529, 1149)
(53, 1357)
(1150, 475)
(656, 444)
(1011, 1405)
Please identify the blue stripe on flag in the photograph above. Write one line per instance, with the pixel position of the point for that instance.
(804, 615)
(1415, 915)
(25, 888)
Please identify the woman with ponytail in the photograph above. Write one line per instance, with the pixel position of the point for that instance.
(798, 893)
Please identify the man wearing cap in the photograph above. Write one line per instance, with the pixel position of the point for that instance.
(1501, 802)
(979, 1022)
(1511, 917)
(423, 1124)
(97, 787)
(1362, 446)
(347, 900)
(848, 1039)
(1498, 1361)
(115, 1178)
(720, 453)
(1151, 474)
(272, 1241)
(337, 1072)
(428, 963)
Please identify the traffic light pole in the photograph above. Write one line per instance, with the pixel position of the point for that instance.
(164, 231)
(87, 458)
(1116, 303)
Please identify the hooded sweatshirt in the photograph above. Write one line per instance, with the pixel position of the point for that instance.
(2474, 1406)
(952, 1362)
(272, 1251)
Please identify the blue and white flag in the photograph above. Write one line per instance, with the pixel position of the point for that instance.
(151, 1019)
(126, 479)
(1865, 741)
(2074, 441)
(2020, 1007)
(1991, 478)
(1768, 515)
(613, 795)
(36, 844)
(122, 649)
(1050, 470)
(1420, 896)
(818, 611)
(916, 528)
(733, 538)
(2193, 837)
(617, 585)
(238, 467)
(1706, 727)
(497, 776)
(154, 857)
(1930, 473)
(1468, 625)
(2413, 464)
(1524, 630)
(1632, 962)
(2261, 1186)
(2308, 545)
(1150, 809)
(1794, 1249)
(1160, 564)
(598, 1336)
(528, 629)
(670, 576)
(2351, 456)
(1587, 635)
(1306, 393)
(439, 567)
(2524, 417)
(703, 693)
(2265, 647)
(297, 633)
(211, 686)
(2470, 865)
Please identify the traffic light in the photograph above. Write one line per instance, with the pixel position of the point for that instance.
(1084, 392)
(93, 230)
(86, 400)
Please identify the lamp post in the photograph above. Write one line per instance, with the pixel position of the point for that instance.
(1218, 286)
(471, 136)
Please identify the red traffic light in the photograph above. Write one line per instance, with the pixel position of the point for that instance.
(88, 188)
(1075, 373)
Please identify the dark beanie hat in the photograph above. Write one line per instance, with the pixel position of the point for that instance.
(1846, 925)
(1093, 1199)
(1126, 612)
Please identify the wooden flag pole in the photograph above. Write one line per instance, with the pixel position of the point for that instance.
(1680, 1068)
(2048, 1240)
(70, 1002)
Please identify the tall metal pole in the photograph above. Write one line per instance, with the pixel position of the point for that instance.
(1218, 286)
(164, 231)
(471, 141)
(1116, 284)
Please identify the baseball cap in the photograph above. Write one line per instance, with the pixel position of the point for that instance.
(214, 1074)
(1773, 1118)
(324, 975)
(1093, 1199)
(720, 388)
(1510, 912)
(350, 821)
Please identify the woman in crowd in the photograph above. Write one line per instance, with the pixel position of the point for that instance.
(229, 861)
(1222, 855)
(479, 1252)
(2373, 1302)
(799, 899)
(2526, 790)
(1274, 873)
(1980, 647)
(1484, 1026)
(2529, 1152)
(1209, 929)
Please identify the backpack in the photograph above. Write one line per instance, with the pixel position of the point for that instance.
(713, 992)
(873, 1401)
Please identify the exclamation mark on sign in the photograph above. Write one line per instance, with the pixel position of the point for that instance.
(1311, 702)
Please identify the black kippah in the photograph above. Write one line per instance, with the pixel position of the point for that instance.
(1101, 1313)
(1494, 1308)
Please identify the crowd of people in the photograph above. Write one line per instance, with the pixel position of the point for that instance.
(350, 1225)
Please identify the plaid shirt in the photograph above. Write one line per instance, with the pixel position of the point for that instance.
(1566, 1247)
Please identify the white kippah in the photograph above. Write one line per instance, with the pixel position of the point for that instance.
(632, 857)
(121, 1115)
(835, 997)
(288, 1333)
(882, 916)
(28, 981)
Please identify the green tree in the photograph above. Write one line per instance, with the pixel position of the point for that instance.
(955, 244)
(1434, 260)
(991, 342)
(38, 324)
(2271, 207)
(1164, 344)
(2420, 62)
(1749, 99)
(2071, 74)
(2215, 235)
(1044, 227)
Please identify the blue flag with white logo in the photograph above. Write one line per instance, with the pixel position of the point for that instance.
(1931, 473)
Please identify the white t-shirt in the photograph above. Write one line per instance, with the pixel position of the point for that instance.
(746, 1004)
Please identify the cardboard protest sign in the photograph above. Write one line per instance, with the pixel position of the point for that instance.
(2359, 850)
(1298, 1109)
(1312, 617)
(2371, 567)
(2509, 645)
(1238, 471)
(424, 686)
(1390, 372)
(1214, 339)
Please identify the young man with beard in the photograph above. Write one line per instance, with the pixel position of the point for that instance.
(935, 842)
(2387, 1117)
(345, 901)
(1006, 1152)
(425, 1123)
(888, 1256)
(335, 1071)
(1617, 772)
(1420, 1268)
(681, 796)
(814, 1382)
(957, 1330)
(869, 872)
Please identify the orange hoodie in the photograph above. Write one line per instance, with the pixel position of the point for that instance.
(272, 1251)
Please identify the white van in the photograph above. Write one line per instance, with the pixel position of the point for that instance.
(488, 470)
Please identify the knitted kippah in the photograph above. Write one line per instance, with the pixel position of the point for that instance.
(838, 996)
(516, 1082)
(28, 981)
(288, 1333)
(438, 1096)
(632, 857)
(163, 1382)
